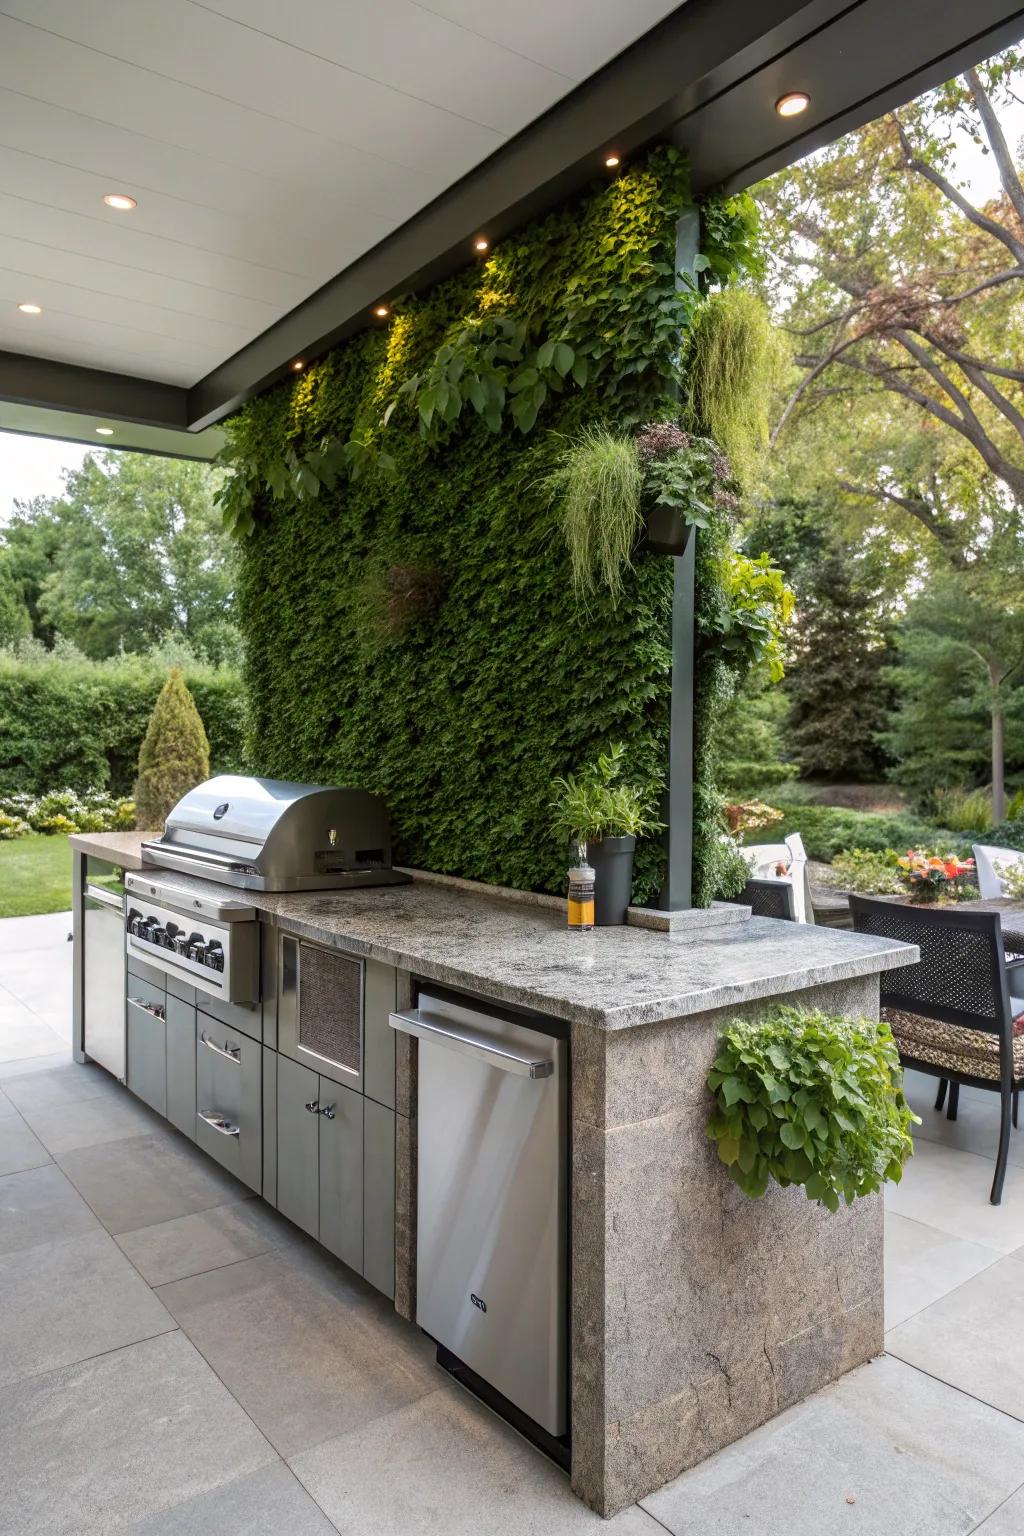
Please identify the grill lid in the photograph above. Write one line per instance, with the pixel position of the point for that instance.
(275, 835)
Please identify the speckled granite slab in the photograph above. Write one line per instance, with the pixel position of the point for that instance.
(609, 978)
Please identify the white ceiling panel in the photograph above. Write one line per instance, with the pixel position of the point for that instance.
(268, 145)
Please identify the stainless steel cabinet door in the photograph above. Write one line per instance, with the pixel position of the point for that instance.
(104, 974)
(298, 1143)
(147, 1054)
(229, 1100)
(181, 1064)
(379, 1196)
(341, 1172)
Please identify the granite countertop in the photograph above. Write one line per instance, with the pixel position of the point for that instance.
(522, 952)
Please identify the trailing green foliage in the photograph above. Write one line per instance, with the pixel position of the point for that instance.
(174, 756)
(464, 718)
(810, 1099)
(734, 362)
(595, 484)
(595, 803)
(68, 721)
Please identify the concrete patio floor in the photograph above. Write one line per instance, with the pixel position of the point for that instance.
(174, 1357)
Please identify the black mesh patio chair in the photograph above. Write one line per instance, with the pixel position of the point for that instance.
(768, 898)
(951, 1015)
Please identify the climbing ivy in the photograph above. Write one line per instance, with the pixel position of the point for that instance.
(409, 461)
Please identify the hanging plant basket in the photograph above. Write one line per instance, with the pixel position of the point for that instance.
(666, 531)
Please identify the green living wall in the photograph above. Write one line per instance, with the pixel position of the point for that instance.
(413, 630)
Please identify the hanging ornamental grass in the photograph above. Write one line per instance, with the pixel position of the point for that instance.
(810, 1099)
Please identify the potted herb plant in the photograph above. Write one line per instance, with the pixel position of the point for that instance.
(597, 811)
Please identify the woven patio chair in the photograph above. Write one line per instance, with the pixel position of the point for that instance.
(768, 896)
(953, 1015)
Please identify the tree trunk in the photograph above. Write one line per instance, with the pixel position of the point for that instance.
(998, 752)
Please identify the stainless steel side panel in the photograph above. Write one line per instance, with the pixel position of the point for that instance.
(491, 1270)
(104, 966)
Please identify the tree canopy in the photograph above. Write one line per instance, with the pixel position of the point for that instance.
(131, 552)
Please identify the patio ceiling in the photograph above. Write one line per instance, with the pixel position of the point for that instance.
(292, 164)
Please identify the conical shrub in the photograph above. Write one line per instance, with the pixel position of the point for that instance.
(175, 754)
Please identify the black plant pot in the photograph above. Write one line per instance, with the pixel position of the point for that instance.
(667, 532)
(612, 861)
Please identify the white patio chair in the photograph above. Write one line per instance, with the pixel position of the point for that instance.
(989, 863)
(764, 859)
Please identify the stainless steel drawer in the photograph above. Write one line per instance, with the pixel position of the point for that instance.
(229, 1100)
(146, 1045)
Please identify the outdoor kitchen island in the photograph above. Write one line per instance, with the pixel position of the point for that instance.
(695, 1314)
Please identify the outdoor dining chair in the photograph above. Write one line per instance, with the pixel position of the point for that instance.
(989, 864)
(954, 1015)
(768, 896)
(764, 858)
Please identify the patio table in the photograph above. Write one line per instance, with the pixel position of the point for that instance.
(1011, 910)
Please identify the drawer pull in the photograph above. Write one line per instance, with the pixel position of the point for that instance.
(229, 1052)
(155, 1010)
(218, 1122)
(327, 1111)
(314, 1107)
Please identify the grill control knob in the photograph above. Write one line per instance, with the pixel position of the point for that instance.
(215, 955)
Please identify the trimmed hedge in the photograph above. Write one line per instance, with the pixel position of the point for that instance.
(827, 830)
(65, 720)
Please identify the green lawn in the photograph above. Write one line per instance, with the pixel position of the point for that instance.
(35, 875)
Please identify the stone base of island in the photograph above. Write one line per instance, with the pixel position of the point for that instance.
(695, 1314)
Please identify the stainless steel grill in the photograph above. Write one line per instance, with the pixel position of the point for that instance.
(272, 835)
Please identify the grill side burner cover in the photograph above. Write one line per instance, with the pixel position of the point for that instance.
(276, 835)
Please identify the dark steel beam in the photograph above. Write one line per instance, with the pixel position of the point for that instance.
(41, 381)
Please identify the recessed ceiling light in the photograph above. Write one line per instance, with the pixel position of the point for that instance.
(611, 161)
(121, 201)
(380, 310)
(792, 104)
(104, 431)
(31, 309)
(480, 244)
(298, 365)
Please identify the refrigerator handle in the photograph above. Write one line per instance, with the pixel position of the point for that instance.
(470, 1042)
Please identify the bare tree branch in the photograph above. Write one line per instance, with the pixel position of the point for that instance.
(956, 197)
(997, 143)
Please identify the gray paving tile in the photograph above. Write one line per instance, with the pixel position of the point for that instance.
(43, 985)
(142, 1180)
(190, 1245)
(89, 1122)
(6, 1107)
(19, 1149)
(1008, 1519)
(944, 1188)
(51, 1082)
(452, 1467)
(41, 1206)
(68, 1300)
(269, 1502)
(26, 1066)
(305, 1346)
(922, 1264)
(93, 1447)
(915, 1455)
(23, 1034)
(976, 1127)
(971, 1337)
(47, 931)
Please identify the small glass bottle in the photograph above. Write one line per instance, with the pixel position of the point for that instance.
(580, 906)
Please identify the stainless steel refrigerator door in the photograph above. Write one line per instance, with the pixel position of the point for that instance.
(104, 965)
(491, 1239)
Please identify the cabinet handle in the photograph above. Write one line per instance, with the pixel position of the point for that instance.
(155, 1010)
(228, 1051)
(327, 1111)
(218, 1122)
(314, 1107)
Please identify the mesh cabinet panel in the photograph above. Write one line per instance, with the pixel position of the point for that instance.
(330, 999)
